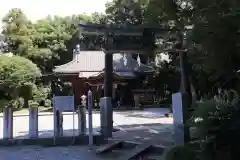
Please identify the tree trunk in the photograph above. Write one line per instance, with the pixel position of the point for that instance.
(26, 104)
(194, 93)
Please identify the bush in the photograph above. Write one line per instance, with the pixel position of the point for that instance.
(16, 71)
(3, 103)
(216, 125)
(17, 76)
(181, 153)
(47, 103)
(41, 94)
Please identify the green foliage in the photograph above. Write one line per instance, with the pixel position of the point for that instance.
(48, 103)
(41, 93)
(18, 31)
(46, 43)
(16, 72)
(215, 32)
(213, 42)
(126, 11)
(17, 76)
(15, 104)
(181, 152)
(3, 103)
(216, 125)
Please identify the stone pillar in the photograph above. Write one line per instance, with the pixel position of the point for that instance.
(106, 117)
(185, 81)
(82, 115)
(7, 123)
(33, 122)
(108, 75)
(58, 123)
(181, 133)
(106, 102)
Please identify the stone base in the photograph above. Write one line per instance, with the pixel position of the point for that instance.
(106, 113)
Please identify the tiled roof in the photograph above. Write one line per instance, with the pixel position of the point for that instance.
(91, 63)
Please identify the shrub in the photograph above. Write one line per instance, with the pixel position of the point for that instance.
(216, 125)
(41, 94)
(181, 153)
(17, 76)
(47, 103)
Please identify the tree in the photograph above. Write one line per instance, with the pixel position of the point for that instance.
(17, 30)
(216, 28)
(17, 76)
(99, 18)
(3, 45)
(136, 12)
(126, 11)
(47, 43)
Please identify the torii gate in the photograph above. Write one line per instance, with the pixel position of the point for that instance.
(137, 39)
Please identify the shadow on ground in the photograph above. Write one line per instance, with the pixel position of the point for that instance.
(153, 113)
(124, 109)
(156, 133)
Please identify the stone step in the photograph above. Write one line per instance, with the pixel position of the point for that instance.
(120, 154)
(127, 150)
(115, 154)
(153, 156)
(137, 152)
(109, 147)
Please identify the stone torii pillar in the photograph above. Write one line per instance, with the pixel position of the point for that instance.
(106, 101)
(143, 41)
(181, 101)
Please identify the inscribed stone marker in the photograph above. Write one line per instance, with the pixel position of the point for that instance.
(179, 106)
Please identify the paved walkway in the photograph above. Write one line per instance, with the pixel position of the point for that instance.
(148, 125)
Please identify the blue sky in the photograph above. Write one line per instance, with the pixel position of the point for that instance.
(37, 9)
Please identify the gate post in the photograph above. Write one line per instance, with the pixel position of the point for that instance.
(7, 123)
(106, 101)
(58, 123)
(106, 117)
(33, 121)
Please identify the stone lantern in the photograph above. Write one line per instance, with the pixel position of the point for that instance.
(82, 115)
(84, 100)
(136, 100)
